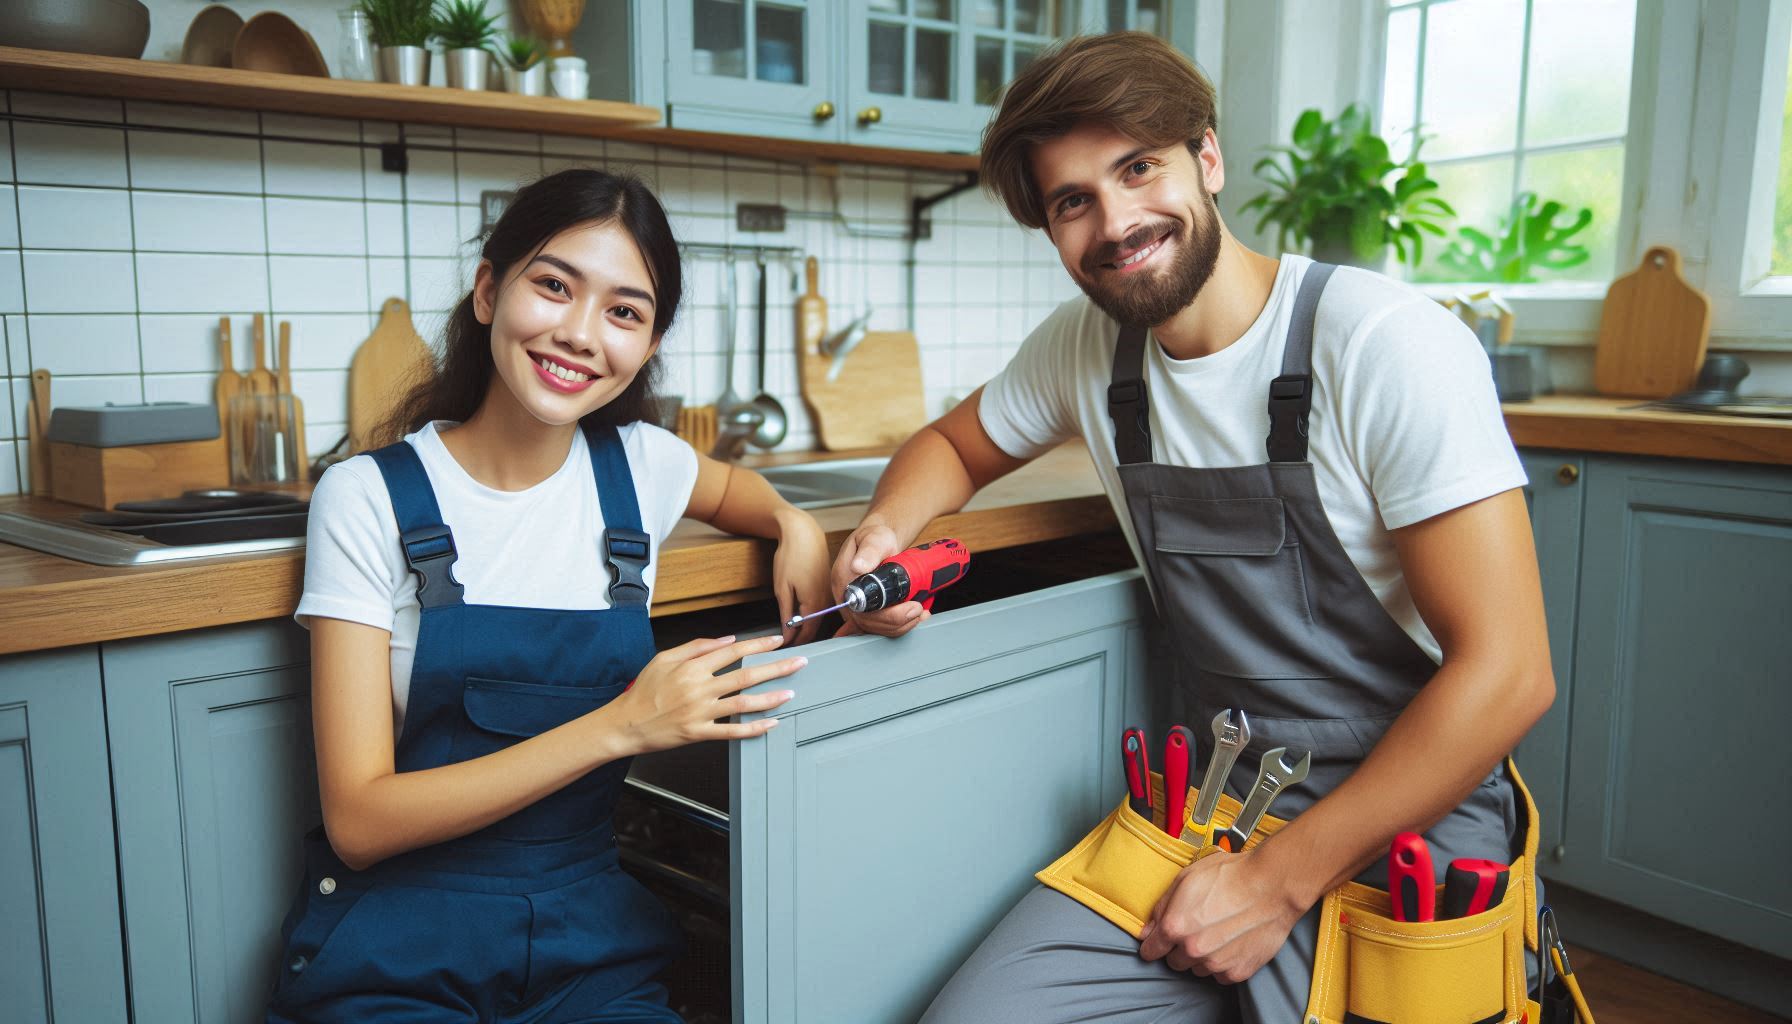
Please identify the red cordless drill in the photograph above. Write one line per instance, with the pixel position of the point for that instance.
(914, 575)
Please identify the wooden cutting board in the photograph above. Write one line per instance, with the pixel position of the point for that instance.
(1652, 330)
(382, 372)
(877, 400)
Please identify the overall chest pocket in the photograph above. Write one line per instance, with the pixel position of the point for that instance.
(500, 713)
(1231, 579)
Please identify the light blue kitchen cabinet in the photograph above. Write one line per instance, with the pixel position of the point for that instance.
(61, 956)
(1677, 798)
(1554, 496)
(912, 788)
(215, 783)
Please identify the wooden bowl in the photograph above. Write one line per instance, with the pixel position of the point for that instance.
(211, 37)
(273, 42)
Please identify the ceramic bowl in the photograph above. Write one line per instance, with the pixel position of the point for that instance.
(273, 42)
(108, 28)
(211, 36)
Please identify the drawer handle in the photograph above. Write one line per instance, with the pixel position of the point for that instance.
(1568, 473)
(870, 116)
(824, 110)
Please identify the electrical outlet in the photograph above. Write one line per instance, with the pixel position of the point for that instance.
(759, 217)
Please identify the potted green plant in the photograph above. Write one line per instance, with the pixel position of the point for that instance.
(1527, 240)
(1338, 188)
(465, 32)
(524, 72)
(400, 28)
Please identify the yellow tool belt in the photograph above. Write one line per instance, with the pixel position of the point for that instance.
(1368, 968)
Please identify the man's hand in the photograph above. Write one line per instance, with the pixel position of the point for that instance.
(1224, 917)
(871, 545)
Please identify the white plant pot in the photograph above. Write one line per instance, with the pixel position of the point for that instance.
(467, 68)
(532, 82)
(404, 65)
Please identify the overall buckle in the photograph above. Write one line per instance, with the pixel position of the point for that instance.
(424, 548)
(1290, 400)
(627, 553)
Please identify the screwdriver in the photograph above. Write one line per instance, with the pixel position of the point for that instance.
(914, 575)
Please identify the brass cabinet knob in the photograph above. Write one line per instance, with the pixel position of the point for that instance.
(823, 110)
(1568, 473)
(871, 115)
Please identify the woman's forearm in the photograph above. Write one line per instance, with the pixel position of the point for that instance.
(750, 507)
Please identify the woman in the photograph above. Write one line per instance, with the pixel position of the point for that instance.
(482, 666)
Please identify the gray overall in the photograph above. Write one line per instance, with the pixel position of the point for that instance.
(1264, 611)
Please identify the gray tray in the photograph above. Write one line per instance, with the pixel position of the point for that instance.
(109, 426)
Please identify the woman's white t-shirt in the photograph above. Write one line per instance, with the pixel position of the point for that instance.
(536, 548)
(1405, 423)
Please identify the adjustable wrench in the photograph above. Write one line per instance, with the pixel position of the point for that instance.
(1228, 740)
(1273, 775)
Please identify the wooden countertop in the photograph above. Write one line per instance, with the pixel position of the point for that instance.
(47, 601)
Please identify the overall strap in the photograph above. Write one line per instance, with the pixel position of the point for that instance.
(626, 546)
(428, 543)
(1291, 394)
(1128, 404)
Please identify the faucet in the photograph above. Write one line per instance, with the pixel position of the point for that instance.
(736, 426)
(840, 345)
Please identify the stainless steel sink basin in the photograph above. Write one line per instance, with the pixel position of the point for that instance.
(828, 483)
(71, 538)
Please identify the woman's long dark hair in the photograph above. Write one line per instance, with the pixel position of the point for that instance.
(540, 211)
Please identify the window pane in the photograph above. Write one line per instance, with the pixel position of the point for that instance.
(779, 44)
(1153, 18)
(1782, 205)
(937, 9)
(989, 14)
(933, 64)
(1592, 178)
(1036, 17)
(721, 38)
(1116, 15)
(886, 6)
(1580, 70)
(1471, 76)
(886, 49)
(989, 70)
(1399, 80)
(1480, 191)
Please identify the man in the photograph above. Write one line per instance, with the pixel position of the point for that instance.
(1368, 592)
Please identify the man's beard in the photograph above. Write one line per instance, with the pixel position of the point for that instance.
(1154, 296)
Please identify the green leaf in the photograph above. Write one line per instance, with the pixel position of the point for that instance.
(1308, 128)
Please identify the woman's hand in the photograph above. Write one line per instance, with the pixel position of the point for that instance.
(678, 698)
(800, 573)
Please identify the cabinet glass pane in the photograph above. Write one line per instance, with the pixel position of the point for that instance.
(1024, 54)
(989, 14)
(886, 50)
(720, 39)
(778, 43)
(1116, 15)
(989, 70)
(1037, 17)
(887, 6)
(1153, 18)
(938, 10)
(933, 64)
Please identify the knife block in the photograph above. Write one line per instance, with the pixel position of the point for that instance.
(103, 477)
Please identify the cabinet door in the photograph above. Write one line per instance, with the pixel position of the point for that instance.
(63, 959)
(754, 67)
(912, 788)
(211, 757)
(1678, 801)
(1554, 497)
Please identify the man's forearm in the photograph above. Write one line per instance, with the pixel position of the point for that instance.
(924, 480)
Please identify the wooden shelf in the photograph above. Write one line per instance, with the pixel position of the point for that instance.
(124, 78)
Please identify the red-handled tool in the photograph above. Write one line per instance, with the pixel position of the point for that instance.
(1472, 885)
(913, 575)
(1179, 758)
(1138, 771)
(1411, 884)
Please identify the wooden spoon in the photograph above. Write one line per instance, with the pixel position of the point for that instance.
(285, 382)
(261, 379)
(37, 427)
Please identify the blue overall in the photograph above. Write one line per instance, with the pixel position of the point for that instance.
(531, 918)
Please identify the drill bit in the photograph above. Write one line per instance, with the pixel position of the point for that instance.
(796, 620)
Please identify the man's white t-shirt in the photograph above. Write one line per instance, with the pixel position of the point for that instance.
(1405, 422)
(535, 548)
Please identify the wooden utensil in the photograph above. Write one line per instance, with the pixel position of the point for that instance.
(284, 382)
(1652, 330)
(271, 41)
(876, 400)
(230, 383)
(382, 372)
(697, 426)
(261, 379)
(811, 311)
(37, 431)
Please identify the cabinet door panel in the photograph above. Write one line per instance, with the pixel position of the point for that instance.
(1678, 803)
(212, 756)
(1554, 496)
(63, 954)
(755, 67)
(910, 792)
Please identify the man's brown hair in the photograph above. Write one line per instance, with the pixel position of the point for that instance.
(1133, 82)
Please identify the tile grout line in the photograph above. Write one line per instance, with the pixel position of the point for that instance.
(136, 284)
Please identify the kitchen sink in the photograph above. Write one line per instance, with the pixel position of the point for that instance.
(827, 483)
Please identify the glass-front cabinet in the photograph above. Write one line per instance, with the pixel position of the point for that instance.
(770, 61)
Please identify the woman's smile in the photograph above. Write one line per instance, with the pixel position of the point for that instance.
(561, 375)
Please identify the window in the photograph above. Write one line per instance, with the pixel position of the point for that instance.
(1782, 206)
(1510, 97)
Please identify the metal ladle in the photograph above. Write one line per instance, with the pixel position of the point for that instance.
(775, 423)
(729, 400)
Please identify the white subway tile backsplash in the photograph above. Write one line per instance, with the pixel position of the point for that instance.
(312, 169)
(379, 182)
(485, 138)
(61, 154)
(9, 218)
(74, 218)
(65, 107)
(20, 388)
(79, 282)
(180, 387)
(67, 345)
(934, 284)
(708, 192)
(430, 176)
(385, 280)
(498, 172)
(188, 342)
(198, 222)
(18, 346)
(572, 147)
(385, 228)
(327, 341)
(433, 229)
(325, 394)
(436, 284)
(318, 284)
(9, 467)
(192, 283)
(751, 187)
(95, 390)
(194, 163)
(205, 119)
(322, 227)
(306, 128)
(6, 151)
